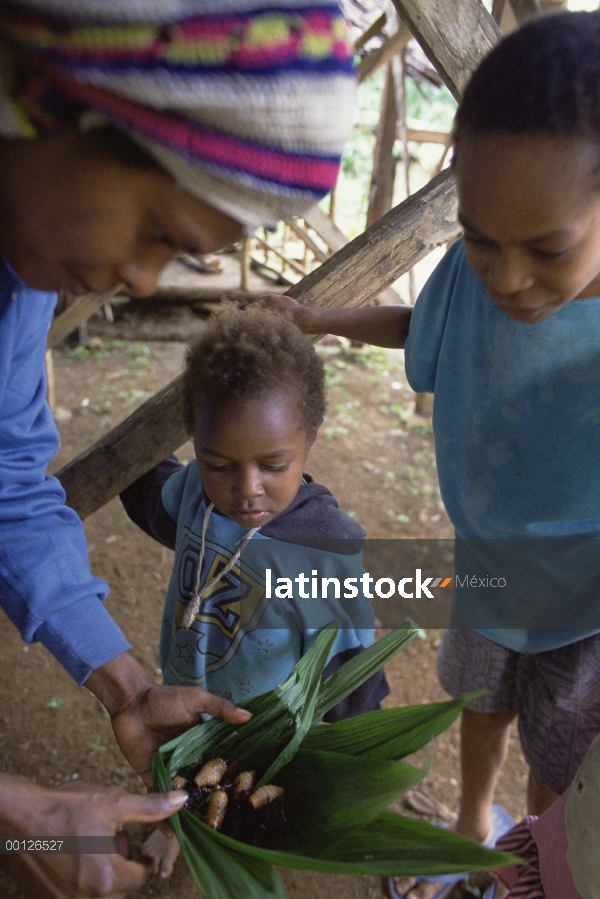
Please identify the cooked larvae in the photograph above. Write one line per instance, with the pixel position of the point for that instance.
(265, 795)
(211, 773)
(244, 784)
(180, 783)
(215, 810)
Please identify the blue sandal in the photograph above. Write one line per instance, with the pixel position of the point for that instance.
(502, 822)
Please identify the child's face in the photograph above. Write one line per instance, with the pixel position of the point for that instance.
(530, 209)
(251, 455)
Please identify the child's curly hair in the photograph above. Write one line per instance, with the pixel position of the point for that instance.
(241, 354)
(543, 78)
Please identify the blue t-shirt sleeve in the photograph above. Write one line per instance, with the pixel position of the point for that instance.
(46, 587)
(428, 321)
(174, 490)
(356, 621)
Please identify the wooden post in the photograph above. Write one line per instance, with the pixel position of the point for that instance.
(503, 14)
(445, 151)
(372, 31)
(454, 36)
(245, 264)
(381, 194)
(399, 72)
(332, 204)
(383, 54)
(49, 363)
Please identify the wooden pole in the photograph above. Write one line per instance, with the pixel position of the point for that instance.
(372, 31)
(49, 363)
(454, 36)
(335, 239)
(399, 72)
(383, 54)
(245, 264)
(381, 194)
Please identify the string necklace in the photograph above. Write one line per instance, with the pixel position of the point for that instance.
(198, 595)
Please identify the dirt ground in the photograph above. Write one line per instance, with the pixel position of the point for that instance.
(378, 461)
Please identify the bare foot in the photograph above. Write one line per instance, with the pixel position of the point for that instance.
(162, 851)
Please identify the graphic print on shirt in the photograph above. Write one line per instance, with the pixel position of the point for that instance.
(232, 609)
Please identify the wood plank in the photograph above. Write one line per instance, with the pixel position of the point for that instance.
(352, 277)
(326, 228)
(74, 316)
(383, 54)
(133, 447)
(356, 274)
(317, 251)
(372, 31)
(335, 239)
(383, 175)
(427, 136)
(455, 36)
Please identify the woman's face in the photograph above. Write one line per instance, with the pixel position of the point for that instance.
(76, 219)
(530, 209)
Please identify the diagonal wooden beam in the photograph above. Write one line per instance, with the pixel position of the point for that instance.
(372, 31)
(353, 276)
(455, 36)
(378, 58)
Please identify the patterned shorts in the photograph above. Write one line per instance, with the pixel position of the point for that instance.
(556, 694)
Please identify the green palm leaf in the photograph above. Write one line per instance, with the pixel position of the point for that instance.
(339, 780)
(388, 733)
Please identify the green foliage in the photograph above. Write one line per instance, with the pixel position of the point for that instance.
(425, 101)
(338, 781)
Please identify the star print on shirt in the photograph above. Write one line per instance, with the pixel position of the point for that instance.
(183, 652)
(264, 645)
(246, 686)
(281, 605)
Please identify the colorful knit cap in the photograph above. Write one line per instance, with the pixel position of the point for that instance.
(247, 104)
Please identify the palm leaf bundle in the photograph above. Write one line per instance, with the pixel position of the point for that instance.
(338, 779)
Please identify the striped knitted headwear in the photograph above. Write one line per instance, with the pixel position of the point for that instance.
(247, 103)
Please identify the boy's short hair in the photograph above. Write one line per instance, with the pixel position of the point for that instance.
(543, 78)
(242, 354)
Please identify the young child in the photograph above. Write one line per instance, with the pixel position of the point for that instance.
(506, 334)
(254, 398)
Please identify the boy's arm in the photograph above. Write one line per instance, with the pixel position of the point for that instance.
(385, 326)
(142, 501)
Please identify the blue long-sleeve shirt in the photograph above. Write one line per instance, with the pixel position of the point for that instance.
(46, 587)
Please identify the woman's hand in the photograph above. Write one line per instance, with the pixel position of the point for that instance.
(145, 715)
(76, 810)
